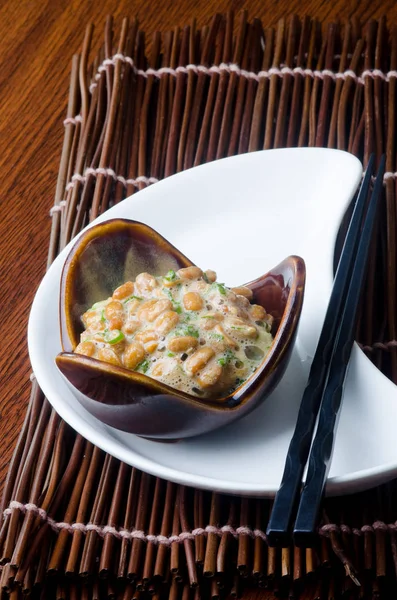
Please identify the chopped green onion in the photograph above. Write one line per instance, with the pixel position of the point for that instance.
(216, 336)
(103, 319)
(190, 330)
(113, 337)
(221, 288)
(226, 358)
(170, 354)
(171, 275)
(186, 330)
(208, 317)
(175, 305)
(170, 296)
(131, 298)
(239, 381)
(144, 366)
(205, 278)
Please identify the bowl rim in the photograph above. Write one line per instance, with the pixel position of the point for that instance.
(78, 247)
(241, 395)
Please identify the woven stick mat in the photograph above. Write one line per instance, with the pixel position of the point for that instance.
(77, 522)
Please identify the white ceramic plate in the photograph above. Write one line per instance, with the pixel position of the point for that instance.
(241, 216)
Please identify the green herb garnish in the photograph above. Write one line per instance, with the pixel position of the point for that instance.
(144, 366)
(187, 330)
(171, 275)
(239, 381)
(216, 336)
(170, 354)
(192, 331)
(205, 278)
(131, 298)
(226, 358)
(175, 305)
(221, 288)
(113, 337)
(103, 319)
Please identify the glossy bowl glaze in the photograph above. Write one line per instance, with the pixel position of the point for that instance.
(115, 251)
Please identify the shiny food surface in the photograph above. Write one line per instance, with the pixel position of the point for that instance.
(184, 329)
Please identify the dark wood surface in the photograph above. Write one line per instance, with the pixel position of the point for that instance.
(37, 41)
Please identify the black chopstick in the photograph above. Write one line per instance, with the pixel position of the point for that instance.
(319, 460)
(279, 527)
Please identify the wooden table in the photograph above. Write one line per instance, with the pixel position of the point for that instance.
(37, 41)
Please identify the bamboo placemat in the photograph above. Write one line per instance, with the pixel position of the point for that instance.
(77, 522)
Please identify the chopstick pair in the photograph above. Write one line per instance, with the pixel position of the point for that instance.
(324, 389)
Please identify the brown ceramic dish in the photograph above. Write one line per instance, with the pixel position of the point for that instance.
(117, 250)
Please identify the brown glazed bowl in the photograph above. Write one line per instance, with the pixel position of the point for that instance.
(107, 255)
